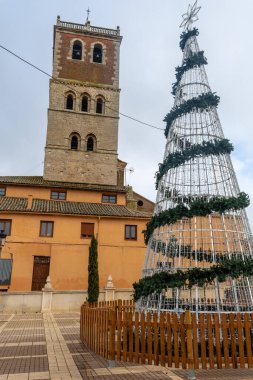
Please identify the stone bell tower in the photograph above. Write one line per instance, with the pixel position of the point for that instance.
(82, 133)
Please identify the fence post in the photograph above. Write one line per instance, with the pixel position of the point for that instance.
(112, 328)
(189, 344)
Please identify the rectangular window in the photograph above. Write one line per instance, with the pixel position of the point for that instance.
(106, 198)
(130, 232)
(87, 230)
(5, 226)
(2, 191)
(46, 229)
(58, 195)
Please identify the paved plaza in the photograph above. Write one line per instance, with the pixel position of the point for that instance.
(47, 346)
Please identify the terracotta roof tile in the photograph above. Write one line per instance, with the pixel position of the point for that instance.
(40, 182)
(43, 206)
(81, 208)
(13, 204)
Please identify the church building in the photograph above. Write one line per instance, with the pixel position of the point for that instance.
(49, 219)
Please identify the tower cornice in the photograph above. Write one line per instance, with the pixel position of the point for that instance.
(87, 28)
(83, 84)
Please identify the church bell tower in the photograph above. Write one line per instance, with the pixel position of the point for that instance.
(83, 114)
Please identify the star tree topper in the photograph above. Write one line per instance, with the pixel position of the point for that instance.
(190, 16)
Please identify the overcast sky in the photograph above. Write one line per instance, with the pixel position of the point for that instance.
(149, 54)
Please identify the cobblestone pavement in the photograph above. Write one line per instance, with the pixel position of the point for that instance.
(47, 346)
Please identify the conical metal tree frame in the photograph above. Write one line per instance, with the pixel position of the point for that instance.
(198, 241)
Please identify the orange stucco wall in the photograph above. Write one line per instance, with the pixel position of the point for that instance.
(73, 195)
(68, 252)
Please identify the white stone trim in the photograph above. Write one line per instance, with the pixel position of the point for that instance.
(69, 56)
(104, 56)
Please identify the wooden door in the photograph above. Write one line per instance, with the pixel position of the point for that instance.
(41, 266)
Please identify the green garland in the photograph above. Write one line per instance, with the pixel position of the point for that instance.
(196, 59)
(192, 277)
(201, 102)
(185, 35)
(198, 207)
(173, 160)
(186, 251)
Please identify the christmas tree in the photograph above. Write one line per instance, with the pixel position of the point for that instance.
(199, 253)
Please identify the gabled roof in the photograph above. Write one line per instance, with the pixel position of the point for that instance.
(38, 181)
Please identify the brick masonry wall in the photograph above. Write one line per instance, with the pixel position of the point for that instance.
(84, 69)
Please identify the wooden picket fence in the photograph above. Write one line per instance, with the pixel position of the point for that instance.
(115, 331)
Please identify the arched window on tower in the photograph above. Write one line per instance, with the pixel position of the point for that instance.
(91, 143)
(70, 102)
(85, 103)
(77, 50)
(100, 105)
(98, 53)
(74, 141)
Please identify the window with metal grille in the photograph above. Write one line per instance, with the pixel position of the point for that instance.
(41, 259)
(70, 102)
(46, 228)
(58, 195)
(107, 198)
(98, 54)
(77, 50)
(2, 191)
(5, 226)
(87, 230)
(130, 232)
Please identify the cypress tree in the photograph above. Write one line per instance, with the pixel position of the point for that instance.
(93, 279)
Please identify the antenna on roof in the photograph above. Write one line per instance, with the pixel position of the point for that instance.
(131, 171)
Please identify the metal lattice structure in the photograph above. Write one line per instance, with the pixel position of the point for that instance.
(198, 241)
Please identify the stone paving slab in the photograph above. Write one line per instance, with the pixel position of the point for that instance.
(47, 347)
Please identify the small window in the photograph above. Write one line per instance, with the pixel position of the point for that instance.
(109, 198)
(74, 143)
(90, 144)
(5, 226)
(41, 259)
(99, 105)
(140, 203)
(2, 191)
(77, 50)
(70, 102)
(130, 232)
(97, 54)
(58, 195)
(46, 229)
(87, 230)
(85, 102)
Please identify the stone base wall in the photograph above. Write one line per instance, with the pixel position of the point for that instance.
(46, 300)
